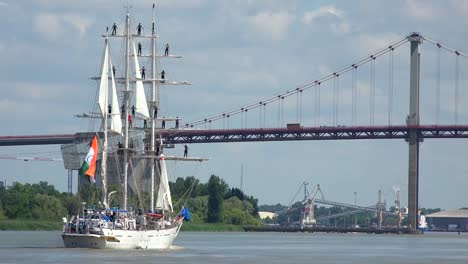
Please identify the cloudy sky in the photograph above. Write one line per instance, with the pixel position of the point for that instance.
(238, 52)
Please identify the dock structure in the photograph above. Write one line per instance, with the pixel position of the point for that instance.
(312, 229)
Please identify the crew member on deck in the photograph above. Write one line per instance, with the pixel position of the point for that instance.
(163, 124)
(177, 122)
(113, 70)
(109, 109)
(163, 74)
(139, 28)
(133, 110)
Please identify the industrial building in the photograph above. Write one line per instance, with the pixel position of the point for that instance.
(450, 220)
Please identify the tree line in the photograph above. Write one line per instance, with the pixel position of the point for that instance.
(211, 202)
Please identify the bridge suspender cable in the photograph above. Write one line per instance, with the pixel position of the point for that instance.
(438, 84)
(298, 90)
(372, 91)
(390, 86)
(353, 100)
(280, 97)
(456, 99)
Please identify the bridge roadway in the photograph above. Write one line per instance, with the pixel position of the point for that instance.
(311, 133)
(186, 136)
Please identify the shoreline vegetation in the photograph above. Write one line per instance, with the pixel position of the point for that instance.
(42, 225)
(214, 206)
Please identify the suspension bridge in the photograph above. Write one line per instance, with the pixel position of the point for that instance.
(342, 106)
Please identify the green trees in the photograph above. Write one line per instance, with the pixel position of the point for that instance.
(216, 190)
(212, 202)
(36, 201)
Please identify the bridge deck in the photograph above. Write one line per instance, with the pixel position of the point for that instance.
(185, 136)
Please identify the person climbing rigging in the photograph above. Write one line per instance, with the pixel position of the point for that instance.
(114, 29)
(166, 51)
(143, 72)
(185, 151)
(139, 28)
(139, 49)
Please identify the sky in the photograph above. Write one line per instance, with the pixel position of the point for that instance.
(238, 52)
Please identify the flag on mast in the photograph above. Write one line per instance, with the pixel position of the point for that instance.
(89, 164)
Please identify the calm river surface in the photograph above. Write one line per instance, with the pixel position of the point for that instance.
(204, 247)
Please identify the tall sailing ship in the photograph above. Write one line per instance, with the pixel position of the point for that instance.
(104, 226)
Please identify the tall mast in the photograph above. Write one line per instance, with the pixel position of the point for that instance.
(154, 104)
(104, 147)
(126, 102)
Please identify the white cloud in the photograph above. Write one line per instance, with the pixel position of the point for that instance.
(81, 24)
(272, 25)
(421, 10)
(324, 11)
(54, 26)
(48, 26)
(328, 15)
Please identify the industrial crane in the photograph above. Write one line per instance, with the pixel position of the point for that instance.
(308, 217)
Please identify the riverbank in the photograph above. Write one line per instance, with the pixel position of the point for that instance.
(25, 225)
(206, 227)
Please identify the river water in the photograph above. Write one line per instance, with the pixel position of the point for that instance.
(226, 247)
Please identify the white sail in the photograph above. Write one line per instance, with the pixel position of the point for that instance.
(141, 107)
(164, 200)
(116, 121)
(104, 82)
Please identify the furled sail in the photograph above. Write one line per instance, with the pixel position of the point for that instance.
(116, 121)
(141, 107)
(164, 200)
(104, 82)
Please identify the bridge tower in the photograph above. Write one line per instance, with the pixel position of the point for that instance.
(412, 122)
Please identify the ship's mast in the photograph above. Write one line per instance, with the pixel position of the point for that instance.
(155, 104)
(126, 103)
(104, 147)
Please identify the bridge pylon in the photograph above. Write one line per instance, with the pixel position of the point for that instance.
(412, 122)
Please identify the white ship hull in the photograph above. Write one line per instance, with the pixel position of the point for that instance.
(123, 239)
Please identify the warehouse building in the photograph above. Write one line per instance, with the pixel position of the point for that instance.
(449, 220)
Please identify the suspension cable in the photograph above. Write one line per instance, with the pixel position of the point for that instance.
(300, 109)
(306, 86)
(457, 73)
(353, 100)
(279, 109)
(438, 85)
(390, 88)
(372, 90)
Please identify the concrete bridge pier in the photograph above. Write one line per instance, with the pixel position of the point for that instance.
(413, 133)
